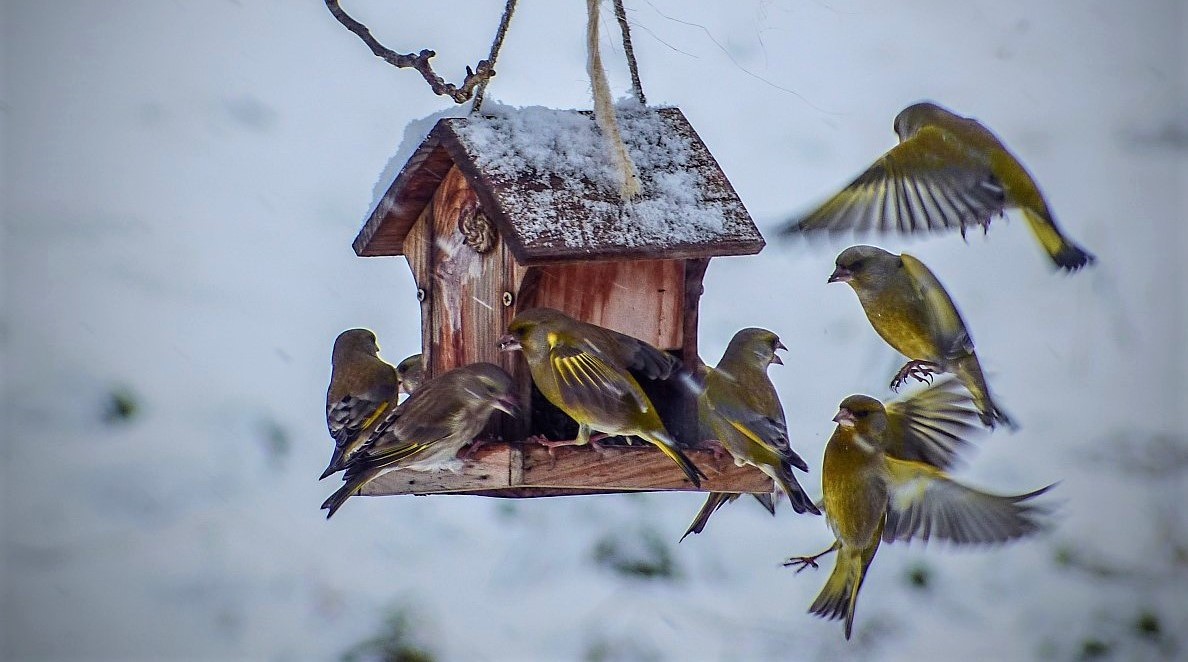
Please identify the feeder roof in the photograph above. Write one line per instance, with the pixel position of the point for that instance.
(545, 179)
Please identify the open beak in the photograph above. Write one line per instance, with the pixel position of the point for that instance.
(841, 275)
(508, 404)
(845, 418)
(775, 358)
(508, 343)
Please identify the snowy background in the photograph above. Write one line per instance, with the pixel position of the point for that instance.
(181, 185)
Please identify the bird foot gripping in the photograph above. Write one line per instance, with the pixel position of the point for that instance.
(594, 440)
(921, 371)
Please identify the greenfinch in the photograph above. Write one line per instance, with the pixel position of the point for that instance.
(911, 310)
(947, 171)
(426, 431)
(741, 409)
(363, 387)
(871, 496)
(586, 371)
(412, 372)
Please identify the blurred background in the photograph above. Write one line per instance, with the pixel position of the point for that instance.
(181, 185)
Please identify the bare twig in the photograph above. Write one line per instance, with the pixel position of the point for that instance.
(496, 44)
(419, 61)
(636, 86)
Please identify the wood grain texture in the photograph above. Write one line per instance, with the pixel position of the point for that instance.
(386, 228)
(572, 471)
(642, 298)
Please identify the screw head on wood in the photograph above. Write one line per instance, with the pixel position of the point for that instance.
(421, 294)
(508, 299)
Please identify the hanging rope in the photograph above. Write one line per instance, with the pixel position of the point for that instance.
(497, 44)
(604, 108)
(636, 86)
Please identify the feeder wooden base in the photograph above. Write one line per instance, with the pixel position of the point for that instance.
(527, 470)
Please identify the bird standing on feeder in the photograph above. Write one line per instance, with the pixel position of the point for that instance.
(739, 406)
(911, 310)
(412, 372)
(584, 370)
(869, 496)
(948, 171)
(363, 387)
(426, 431)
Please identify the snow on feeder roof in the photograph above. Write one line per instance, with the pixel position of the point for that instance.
(544, 179)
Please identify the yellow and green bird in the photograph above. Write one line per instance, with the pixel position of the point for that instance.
(585, 371)
(947, 172)
(911, 310)
(871, 496)
(363, 387)
(739, 406)
(426, 431)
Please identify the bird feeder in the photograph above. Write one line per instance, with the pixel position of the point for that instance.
(497, 214)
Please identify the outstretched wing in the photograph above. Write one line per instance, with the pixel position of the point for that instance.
(925, 504)
(931, 425)
(926, 183)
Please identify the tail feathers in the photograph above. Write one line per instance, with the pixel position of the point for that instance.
(713, 502)
(969, 371)
(669, 447)
(801, 502)
(1064, 253)
(768, 501)
(336, 463)
(353, 483)
(839, 597)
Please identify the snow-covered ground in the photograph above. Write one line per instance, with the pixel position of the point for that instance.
(182, 182)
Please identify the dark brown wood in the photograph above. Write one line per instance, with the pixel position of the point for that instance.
(408, 195)
(573, 470)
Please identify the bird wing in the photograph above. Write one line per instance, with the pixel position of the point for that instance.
(351, 414)
(924, 503)
(633, 353)
(946, 325)
(588, 382)
(930, 425)
(925, 183)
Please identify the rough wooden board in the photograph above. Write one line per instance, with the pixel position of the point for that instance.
(385, 230)
(488, 469)
(641, 298)
(572, 471)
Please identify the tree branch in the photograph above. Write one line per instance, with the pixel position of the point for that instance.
(483, 71)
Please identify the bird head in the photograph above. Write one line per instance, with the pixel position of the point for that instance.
(355, 340)
(863, 415)
(530, 329)
(411, 372)
(493, 386)
(864, 267)
(754, 346)
(916, 116)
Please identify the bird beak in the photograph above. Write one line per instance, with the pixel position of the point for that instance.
(508, 404)
(775, 358)
(845, 418)
(841, 275)
(508, 343)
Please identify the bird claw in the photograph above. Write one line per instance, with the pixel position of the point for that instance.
(921, 371)
(803, 562)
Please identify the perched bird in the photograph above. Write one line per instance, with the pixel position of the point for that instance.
(426, 431)
(869, 496)
(363, 387)
(946, 172)
(911, 310)
(586, 371)
(412, 373)
(741, 409)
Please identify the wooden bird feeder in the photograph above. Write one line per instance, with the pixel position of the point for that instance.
(503, 213)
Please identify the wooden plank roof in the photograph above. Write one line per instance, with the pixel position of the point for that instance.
(544, 179)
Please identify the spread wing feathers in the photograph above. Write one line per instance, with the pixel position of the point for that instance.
(633, 353)
(350, 415)
(589, 383)
(925, 504)
(924, 184)
(931, 425)
(947, 327)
